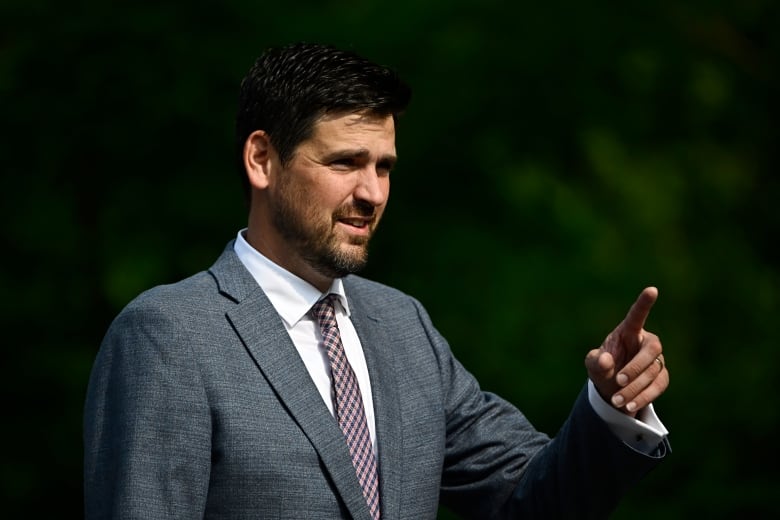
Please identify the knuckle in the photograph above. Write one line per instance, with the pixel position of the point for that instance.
(653, 344)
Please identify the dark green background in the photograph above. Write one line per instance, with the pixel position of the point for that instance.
(555, 160)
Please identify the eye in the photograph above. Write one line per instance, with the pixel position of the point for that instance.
(385, 167)
(343, 163)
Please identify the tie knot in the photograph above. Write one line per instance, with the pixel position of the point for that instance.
(324, 312)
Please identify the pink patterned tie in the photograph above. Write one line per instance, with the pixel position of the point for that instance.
(349, 404)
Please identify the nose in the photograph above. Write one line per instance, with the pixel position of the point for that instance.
(372, 186)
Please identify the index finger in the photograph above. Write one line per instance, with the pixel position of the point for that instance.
(637, 314)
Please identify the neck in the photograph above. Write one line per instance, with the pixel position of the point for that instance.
(297, 266)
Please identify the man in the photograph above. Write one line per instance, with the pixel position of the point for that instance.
(279, 385)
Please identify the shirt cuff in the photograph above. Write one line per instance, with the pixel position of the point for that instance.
(643, 433)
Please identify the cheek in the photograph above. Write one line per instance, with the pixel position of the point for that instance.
(335, 195)
(314, 197)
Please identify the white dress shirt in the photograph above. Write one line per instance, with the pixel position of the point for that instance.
(643, 433)
(293, 298)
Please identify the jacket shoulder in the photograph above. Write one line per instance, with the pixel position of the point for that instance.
(173, 297)
(175, 306)
(372, 289)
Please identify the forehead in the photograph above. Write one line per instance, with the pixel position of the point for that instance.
(354, 128)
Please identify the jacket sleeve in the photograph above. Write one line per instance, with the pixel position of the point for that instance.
(497, 465)
(146, 422)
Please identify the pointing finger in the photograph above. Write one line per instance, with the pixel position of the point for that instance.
(637, 314)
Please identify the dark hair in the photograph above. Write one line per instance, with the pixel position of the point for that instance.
(289, 88)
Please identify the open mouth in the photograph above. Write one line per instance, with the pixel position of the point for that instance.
(359, 223)
(356, 227)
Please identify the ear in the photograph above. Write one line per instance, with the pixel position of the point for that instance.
(257, 159)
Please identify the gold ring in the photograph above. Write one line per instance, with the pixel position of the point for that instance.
(660, 362)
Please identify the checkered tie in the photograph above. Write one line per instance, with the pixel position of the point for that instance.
(349, 404)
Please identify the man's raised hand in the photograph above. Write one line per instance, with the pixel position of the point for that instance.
(628, 369)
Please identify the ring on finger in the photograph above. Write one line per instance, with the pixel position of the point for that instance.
(660, 361)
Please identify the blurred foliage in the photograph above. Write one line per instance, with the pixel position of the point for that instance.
(556, 158)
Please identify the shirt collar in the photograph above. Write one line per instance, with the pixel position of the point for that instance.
(291, 296)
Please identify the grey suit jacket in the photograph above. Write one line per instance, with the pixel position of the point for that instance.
(199, 407)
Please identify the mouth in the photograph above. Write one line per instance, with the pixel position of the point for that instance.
(357, 220)
(357, 228)
(357, 223)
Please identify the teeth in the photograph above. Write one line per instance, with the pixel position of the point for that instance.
(356, 223)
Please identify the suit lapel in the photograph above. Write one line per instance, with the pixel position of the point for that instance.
(263, 333)
(378, 350)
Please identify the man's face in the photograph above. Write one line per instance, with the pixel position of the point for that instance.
(326, 203)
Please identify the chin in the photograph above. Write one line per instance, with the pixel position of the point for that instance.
(350, 260)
